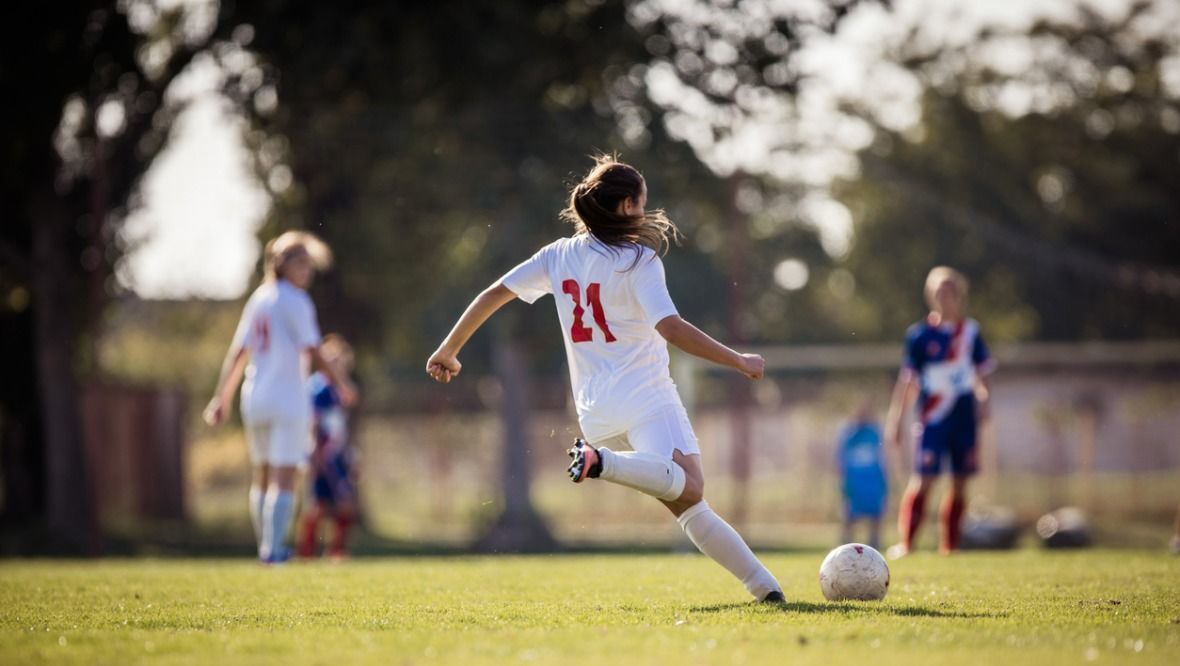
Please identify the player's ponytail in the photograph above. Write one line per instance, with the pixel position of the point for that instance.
(594, 209)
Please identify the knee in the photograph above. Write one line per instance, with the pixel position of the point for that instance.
(694, 491)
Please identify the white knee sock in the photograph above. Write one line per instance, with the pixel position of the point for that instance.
(275, 519)
(256, 500)
(646, 472)
(717, 539)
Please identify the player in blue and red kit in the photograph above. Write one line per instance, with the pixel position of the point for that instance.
(946, 364)
(333, 485)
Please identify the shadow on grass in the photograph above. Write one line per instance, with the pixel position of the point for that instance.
(846, 609)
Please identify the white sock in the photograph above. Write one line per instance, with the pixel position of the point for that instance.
(275, 519)
(717, 539)
(646, 472)
(257, 498)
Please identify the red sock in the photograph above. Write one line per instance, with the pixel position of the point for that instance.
(909, 516)
(951, 515)
(311, 521)
(340, 540)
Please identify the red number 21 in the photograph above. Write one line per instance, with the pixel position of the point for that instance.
(579, 332)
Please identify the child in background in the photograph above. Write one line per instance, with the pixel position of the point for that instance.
(332, 492)
(863, 474)
(277, 331)
(945, 367)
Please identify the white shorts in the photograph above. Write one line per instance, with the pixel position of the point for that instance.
(279, 443)
(664, 431)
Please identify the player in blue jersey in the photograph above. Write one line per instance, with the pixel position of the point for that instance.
(945, 367)
(333, 492)
(862, 475)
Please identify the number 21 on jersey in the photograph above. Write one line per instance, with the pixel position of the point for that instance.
(579, 332)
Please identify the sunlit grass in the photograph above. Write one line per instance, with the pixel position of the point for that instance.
(1024, 607)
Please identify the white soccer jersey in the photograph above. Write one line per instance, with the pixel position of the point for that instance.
(618, 362)
(277, 326)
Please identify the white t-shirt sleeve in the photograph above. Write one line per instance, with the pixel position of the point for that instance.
(530, 279)
(651, 290)
(305, 331)
(245, 327)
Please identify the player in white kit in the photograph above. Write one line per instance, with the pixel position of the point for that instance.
(275, 338)
(617, 318)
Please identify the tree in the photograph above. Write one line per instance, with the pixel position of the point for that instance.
(88, 113)
(1050, 184)
(430, 145)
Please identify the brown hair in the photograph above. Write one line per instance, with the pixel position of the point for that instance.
(594, 209)
(291, 244)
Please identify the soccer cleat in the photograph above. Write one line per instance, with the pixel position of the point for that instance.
(279, 557)
(586, 462)
(897, 551)
(775, 597)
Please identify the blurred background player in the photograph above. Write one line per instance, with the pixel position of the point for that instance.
(277, 330)
(945, 366)
(862, 473)
(332, 491)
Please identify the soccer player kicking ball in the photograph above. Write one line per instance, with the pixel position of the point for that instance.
(946, 364)
(616, 317)
(277, 328)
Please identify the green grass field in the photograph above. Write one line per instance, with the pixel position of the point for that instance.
(1023, 607)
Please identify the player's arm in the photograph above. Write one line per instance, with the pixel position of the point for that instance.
(982, 397)
(232, 370)
(692, 340)
(904, 393)
(444, 364)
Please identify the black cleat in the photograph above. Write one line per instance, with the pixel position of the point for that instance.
(775, 597)
(586, 462)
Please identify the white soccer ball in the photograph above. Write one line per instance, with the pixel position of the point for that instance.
(854, 571)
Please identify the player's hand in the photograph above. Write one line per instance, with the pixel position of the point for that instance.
(752, 366)
(443, 366)
(347, 393)
(215, 412)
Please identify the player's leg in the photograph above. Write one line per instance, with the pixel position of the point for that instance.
(961, 447)
(668, 437)
(289, 448)
(951, 515)
(875, 531)
(258, 444)
(648, 473)
(929, 445)
(846, 524)
(258, 482)
(344, 518)
(309, 527)
(277, 509)
(716, 538)
(344, 499)
(911, 512)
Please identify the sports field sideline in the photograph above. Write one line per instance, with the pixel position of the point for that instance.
(1024, 607)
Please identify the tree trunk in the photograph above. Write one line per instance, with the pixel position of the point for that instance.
(519, 528)
(70, 515)
(22, 496)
